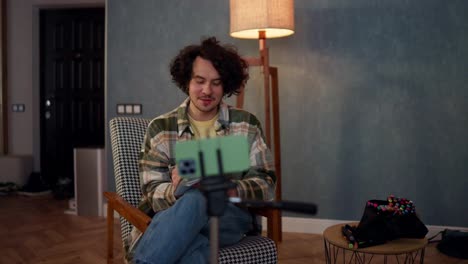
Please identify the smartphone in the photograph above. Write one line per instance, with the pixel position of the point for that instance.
(234, 154)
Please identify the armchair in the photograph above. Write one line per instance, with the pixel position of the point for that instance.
(127, 135)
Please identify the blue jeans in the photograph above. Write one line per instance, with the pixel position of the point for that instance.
(180, 234)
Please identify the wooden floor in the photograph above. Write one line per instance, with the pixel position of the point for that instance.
(35, 230)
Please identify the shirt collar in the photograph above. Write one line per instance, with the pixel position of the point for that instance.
(221, 125)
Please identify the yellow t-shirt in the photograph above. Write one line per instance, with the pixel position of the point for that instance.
(203, 129)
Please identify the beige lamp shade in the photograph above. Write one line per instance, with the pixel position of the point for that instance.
(248, 17)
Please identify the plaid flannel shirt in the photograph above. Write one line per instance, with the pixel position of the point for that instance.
(157, 156)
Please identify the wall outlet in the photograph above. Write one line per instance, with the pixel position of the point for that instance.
(18, 107)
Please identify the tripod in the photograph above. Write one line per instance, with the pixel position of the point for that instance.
(214, 189)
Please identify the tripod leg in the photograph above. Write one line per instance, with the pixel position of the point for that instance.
(214, 239)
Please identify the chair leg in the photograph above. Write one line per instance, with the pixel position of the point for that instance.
(110, 233)
(274, 227)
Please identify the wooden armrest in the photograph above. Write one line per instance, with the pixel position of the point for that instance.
(273, 217)
(132, 214)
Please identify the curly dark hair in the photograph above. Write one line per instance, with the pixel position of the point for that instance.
(233, 70)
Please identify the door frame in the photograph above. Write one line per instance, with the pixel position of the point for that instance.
(51, 173)
(3, 80)
(36, 69)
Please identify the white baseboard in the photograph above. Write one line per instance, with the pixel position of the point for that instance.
(436, 229)
(317, 226)
(306, 225)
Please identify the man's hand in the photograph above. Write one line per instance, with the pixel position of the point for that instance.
(175, 178)
(232, 192)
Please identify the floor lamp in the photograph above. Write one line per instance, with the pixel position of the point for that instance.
(262, 19)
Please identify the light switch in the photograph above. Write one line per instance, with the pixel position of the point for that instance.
(137, 109)
(120, 109)
(129, 109)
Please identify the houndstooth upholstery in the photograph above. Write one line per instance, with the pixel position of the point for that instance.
(251, 250)
(126, 138)
(127, 135)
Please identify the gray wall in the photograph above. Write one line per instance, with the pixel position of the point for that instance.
(373, 94)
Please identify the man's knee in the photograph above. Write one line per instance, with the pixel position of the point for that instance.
(193, 199)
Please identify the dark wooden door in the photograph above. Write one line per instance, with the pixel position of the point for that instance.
(72, 90)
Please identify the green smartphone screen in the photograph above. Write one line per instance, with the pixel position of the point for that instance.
(234, 156)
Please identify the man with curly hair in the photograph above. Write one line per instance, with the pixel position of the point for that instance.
(179, 230)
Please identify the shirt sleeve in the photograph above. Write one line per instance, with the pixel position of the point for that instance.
(259, 182)
(154, 164)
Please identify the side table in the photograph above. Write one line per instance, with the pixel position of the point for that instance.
(404, 250)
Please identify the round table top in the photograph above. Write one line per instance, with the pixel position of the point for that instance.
(333, 235)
